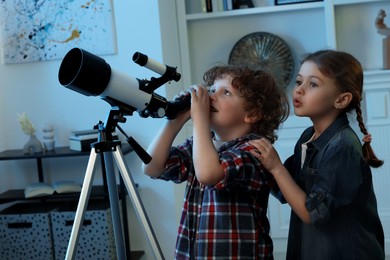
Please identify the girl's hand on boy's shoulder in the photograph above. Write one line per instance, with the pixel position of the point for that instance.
(266, 154)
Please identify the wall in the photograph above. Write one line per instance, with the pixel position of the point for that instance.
(34, 88)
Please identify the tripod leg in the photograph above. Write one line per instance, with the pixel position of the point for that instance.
(129, 183)
(114, 205)
(82, 206)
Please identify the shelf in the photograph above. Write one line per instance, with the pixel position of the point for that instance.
(255, 10)
(58, 152)
(347, 2)
(97, 192)
(17, 154)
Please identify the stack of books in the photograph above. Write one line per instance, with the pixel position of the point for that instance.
(82, 140)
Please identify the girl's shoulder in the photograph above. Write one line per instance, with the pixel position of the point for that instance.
(344, 143)
(347, 137)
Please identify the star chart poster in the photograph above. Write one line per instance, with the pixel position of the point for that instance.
(39, 30)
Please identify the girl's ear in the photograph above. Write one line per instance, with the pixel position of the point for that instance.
(343, 100)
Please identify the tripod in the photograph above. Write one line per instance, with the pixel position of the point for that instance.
(111, 149)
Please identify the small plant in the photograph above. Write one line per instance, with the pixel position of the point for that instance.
(26, 125)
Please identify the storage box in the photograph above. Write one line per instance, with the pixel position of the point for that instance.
(96, 238)
(25, 232)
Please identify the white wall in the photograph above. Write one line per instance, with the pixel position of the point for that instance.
(34, 88)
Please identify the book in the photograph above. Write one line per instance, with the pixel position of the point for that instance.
(66, 186)
(38, 189)
(84, 134)
(81, 145)
(209, 7)
(81, 140)
(229, 5)
(44, 189)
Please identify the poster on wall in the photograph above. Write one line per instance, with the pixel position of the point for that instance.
(43, 30)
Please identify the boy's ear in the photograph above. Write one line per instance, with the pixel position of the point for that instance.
(251, 118)
(343, 100)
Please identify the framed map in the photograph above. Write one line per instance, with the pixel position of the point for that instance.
(47, 29)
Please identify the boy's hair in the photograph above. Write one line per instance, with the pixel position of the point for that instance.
(347, 73)
(262, 96)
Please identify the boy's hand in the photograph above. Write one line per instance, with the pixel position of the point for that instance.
(200, 103)
(182, 116)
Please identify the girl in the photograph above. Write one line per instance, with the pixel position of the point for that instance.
(225, 206)
(327, 181)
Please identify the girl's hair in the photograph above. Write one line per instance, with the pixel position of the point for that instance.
(347, 73)
(262, 96)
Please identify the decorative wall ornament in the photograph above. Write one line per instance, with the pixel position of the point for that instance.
(47, 29)
(266, 51)
(382, 29)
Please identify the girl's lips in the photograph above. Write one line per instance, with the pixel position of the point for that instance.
(296, 102)
(212, 109)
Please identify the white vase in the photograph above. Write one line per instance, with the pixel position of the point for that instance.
(48, 144)
(33, 146)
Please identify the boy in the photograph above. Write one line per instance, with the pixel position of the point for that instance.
(226, 198)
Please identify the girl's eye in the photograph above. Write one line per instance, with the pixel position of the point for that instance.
(211, 90)
(298, 83)
(313, 85)
(226, 92)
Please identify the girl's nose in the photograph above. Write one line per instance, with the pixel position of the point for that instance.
(299, 89)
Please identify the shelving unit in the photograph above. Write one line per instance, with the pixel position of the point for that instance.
(17, 154)
(207, 38)
(97, 192)
(196, 41)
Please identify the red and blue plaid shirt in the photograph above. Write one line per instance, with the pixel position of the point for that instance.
(227, 220)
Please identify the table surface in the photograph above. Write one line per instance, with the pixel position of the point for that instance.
(16, 154)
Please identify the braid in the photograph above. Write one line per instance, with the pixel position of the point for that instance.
(368, 152)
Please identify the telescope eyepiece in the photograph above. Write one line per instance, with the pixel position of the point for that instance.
(140, 59)
(167, 72)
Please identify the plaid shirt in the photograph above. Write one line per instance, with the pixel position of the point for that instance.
(227, 220)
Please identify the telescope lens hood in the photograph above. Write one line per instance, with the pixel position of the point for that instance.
(84, 72)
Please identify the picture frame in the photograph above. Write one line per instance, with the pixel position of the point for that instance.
(287, 2)
(47, 31)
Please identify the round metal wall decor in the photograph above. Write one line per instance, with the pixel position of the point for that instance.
(262, 50)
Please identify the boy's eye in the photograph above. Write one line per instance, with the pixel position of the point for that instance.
(211, 90)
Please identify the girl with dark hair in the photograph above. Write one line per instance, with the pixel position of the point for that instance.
(327, 181)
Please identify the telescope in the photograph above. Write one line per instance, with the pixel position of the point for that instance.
(91, 75)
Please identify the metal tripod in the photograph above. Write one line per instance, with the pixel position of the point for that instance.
(111, 149)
